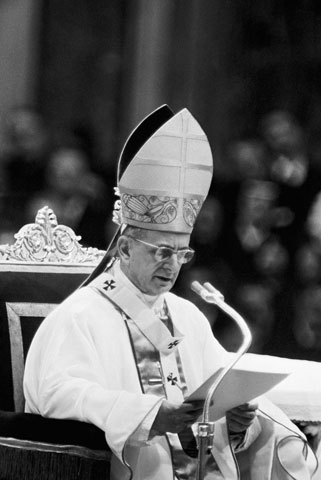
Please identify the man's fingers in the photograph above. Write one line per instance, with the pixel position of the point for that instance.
(249, 406)
(197, 404)
(245, 418)
(175, 418)
(181, 422)
(245, 410)
(240, 414)
(241, 417)
(195, 409)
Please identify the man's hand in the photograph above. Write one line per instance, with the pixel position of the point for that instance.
(175, 418)
(241, 417)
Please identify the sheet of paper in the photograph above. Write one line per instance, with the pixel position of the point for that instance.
(237, 386)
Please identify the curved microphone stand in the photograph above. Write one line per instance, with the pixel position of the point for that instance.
(205, 435)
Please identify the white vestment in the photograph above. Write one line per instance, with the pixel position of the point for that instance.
(81, 366)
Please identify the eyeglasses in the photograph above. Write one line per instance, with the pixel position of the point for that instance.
(184, 255)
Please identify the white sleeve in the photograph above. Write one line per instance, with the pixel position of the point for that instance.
(66, 379)
(144, 432)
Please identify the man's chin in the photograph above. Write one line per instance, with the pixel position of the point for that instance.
(161, 285)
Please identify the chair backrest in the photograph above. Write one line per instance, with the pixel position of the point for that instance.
(43, 266)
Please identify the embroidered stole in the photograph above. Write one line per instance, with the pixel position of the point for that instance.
(157, 359)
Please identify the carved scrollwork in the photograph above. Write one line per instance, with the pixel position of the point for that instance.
(47, 242)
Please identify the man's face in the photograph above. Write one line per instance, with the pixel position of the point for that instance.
(149, 275)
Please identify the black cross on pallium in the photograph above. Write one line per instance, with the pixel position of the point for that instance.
(173, 344)
(109, 285)
(172, 379)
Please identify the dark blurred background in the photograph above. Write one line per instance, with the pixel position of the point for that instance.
(77, 76)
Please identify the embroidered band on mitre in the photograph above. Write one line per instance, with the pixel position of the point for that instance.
(167, 180)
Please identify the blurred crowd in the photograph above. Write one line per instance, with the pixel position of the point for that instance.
(257, 238)
(41, 166)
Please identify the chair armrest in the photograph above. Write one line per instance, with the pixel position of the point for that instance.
(35, 447)
(29, 426)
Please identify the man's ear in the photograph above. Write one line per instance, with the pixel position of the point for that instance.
(123, 247)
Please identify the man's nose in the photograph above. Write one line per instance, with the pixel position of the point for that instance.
(173, 261)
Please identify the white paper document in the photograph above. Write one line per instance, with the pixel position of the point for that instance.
(238, 386)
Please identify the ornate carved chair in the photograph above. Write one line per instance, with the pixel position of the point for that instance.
(44, 265)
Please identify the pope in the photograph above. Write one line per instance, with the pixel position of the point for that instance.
(123, 352)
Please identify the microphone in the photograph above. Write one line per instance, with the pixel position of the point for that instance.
(206, 428)
(209, 293)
